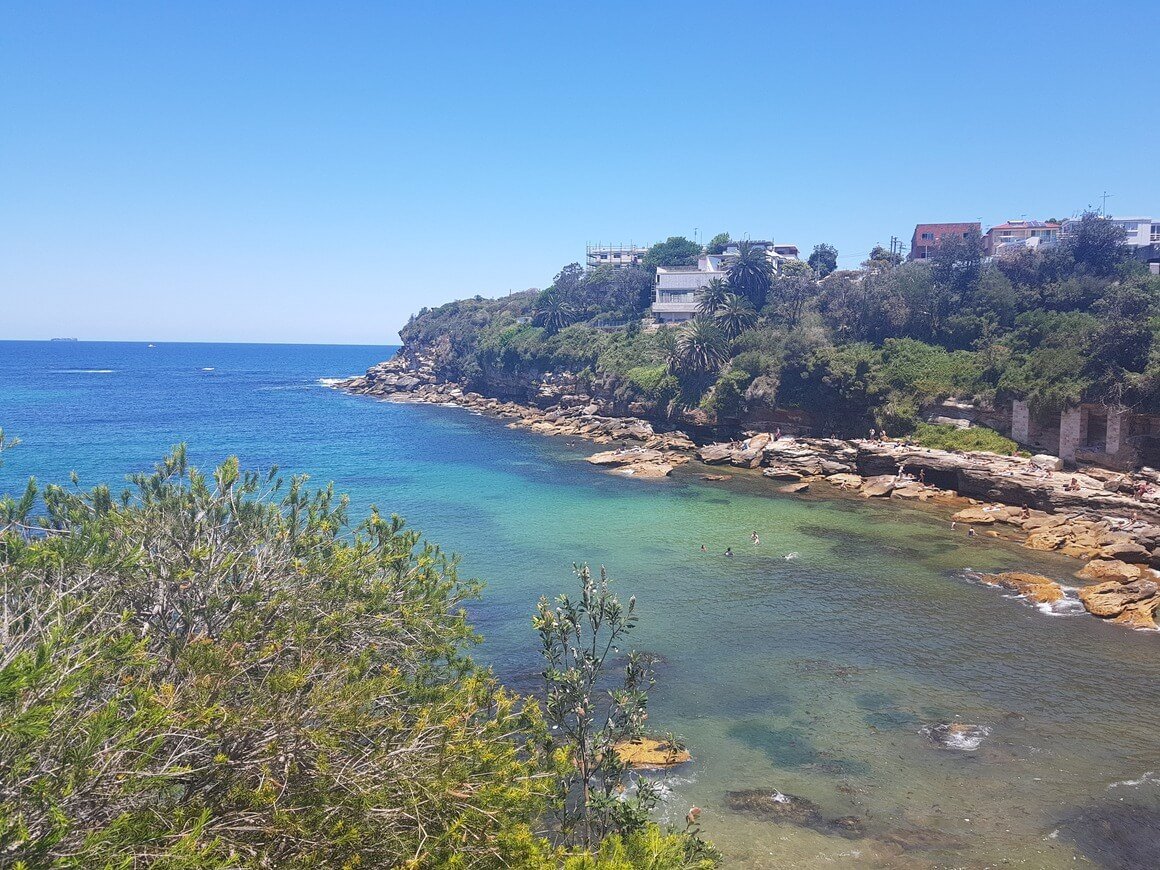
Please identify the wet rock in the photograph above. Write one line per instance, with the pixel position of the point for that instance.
(956, 735)
(1109, 569)
(651, 753)
(1035, 587)
(923, 840)
(716, 477)
(791, 488)
(1118, 836)
(774, 806)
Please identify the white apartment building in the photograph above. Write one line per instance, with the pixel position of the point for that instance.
(678, 287)
(1139, 232)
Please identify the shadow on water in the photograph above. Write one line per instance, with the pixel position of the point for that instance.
(792, 747)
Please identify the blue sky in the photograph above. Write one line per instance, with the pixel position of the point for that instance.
(314, 172)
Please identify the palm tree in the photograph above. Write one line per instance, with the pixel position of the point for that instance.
(711, 297)
(701, 347)
(552, 312)
(734, 315)
(751, 273)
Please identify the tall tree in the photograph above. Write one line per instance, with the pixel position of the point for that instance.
(824, 259)
(751, 273)
(1096, 244)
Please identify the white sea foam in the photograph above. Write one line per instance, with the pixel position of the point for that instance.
(1148, 778)
(789, 557)
(965, 738)
(330, 382)
(207, 368)
(84, 371)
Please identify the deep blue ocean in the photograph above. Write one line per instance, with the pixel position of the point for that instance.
(809, 664)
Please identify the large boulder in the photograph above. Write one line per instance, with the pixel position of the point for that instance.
(1109, 569)
(1046, 460)
(975, 515)
(879, 487)
(715, 454)
(1110, 599)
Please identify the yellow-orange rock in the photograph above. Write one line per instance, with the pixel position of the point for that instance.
(1109, 569)
(1044, 541)
(976, 515)
(1111, 599)
(1141, 614)
(1042, 590)
(651, 753)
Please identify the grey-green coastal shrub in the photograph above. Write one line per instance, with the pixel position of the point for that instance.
(221, 671)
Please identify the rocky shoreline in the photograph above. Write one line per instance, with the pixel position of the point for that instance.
(1093, 515)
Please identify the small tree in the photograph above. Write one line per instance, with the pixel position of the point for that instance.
(673, 251)
(590, 713)
(734, 315)
(712, 297)
(824, 259)
(718, 243)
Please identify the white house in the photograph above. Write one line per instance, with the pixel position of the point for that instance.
(678, 287)
(1139, 232)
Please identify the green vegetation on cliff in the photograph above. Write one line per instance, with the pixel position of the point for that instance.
(852, 349)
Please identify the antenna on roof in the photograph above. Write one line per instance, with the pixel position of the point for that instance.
(1104, 197)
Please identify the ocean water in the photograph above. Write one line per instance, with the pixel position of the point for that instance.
(814, 664)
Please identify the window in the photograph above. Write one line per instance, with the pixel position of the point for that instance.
(929, 236)
(1156, 232)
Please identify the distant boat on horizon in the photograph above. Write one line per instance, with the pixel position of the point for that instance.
(62, 339)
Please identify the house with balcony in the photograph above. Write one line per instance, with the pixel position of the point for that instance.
(1013, 236)
(926, 237)
(678, 288)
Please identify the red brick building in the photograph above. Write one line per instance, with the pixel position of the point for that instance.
(927, 236)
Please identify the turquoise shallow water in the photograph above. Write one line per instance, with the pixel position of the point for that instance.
(813, 675)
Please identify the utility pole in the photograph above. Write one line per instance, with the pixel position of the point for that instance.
(1104, 203)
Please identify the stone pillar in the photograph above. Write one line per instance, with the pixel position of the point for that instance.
(1069, 434)
(1117, 426)
(1020, 422)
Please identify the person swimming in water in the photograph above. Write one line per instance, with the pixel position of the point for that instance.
(729, 552)
(703, 550)
(754, 538)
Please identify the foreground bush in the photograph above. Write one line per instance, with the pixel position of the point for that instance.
(220, 672)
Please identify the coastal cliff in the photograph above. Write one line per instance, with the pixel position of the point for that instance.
(1094, 515)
